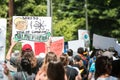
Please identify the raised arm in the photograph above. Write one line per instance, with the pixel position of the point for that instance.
(48, 45)
(8, 56)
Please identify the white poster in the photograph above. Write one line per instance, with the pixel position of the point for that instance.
(31, 28)
(101, 42)
(75, 44)
(3, 23)
(84, 35)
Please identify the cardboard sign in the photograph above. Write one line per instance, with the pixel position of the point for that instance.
(57, 46)
(31, 28)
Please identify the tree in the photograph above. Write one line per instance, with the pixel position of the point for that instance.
(68, 17)
(103, 18)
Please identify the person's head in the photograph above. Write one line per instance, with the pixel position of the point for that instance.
(64, 59)
(80, 50)
(26, 65)
(78, 60)
(70, 52)
(55, 71)
(26, 48)
(50, 56)
(98, 52)
(103, 65)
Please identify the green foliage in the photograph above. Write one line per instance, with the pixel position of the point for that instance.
(3, 8)
(67, 28)
(68, 17)
(111, 13)
(40, 10)
(30, 8)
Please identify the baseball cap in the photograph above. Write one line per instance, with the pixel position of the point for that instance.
(26, 47)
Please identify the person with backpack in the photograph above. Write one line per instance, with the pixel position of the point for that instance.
(80, 52)
(24, 74)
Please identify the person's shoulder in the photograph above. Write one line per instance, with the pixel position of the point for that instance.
(17, 76)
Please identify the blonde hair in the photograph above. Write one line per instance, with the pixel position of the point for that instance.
(18, 20)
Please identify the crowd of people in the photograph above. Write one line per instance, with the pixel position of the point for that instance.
(97, 65)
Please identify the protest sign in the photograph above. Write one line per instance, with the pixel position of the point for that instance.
(75, 44)
(3, 23)
(84, 36)
(57, 45)
(31, 28)
(101, 42)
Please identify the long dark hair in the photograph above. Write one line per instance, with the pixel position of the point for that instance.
(55, 71)
(103, 65)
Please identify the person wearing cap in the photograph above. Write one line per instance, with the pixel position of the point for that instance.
(26, 51)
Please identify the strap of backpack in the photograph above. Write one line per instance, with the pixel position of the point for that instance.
(24, 75)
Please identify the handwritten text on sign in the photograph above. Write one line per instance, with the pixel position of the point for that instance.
(31, 28)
